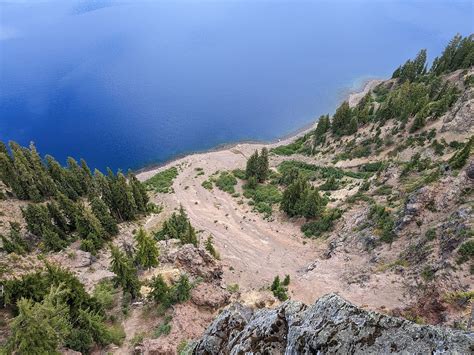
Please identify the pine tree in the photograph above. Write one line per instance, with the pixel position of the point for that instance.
(125, 271)
(14, 243)
(341, 119)
(69, 209)
(90, 229)
(178, 227)
(313, 205)
(182, 289)
(139, 192)
(58, 217)
(87, 178)
(36, 217)
(322, 128)
(209, 245)
(262, 165)
(9, 176)
(418, 123)
(51, 239)
(352, 128)
(147, 250)
(75, 177)
(252, 165)
(123, 202)
(42, 327)
(45, 183)
(190, 236)
(26, 178)
(160, 291)
(276, 283)
(101, 211)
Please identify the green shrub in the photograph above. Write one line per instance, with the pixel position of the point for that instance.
(323, 224)
(164, 328)
(207, 184)
(383, 221)
(162, 181)
(430, 234)
(226, 182)
(466, 251)
(239, 174)
(280, 289)
(263, 197)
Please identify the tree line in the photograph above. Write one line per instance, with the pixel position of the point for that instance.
(70, 202)
(419, 93)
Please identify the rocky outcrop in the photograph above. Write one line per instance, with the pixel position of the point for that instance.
(197, 262)
(209, 296)
(460, 118)
(331, 325)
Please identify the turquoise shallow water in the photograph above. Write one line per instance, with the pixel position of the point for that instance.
(125, 84)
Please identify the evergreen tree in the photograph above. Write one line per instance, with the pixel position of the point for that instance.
(179, 227)
(341, 119)
(139, 193)
(45, 183)
(352, 128)
(126, 274)
(147, 250)
(14, 243)
(75, 177)
(182, 289)
(209, 245)
(418, 123)
(313, 204)
(262, 165)
(324, 125)
(89, 229)
(459, 53)
(9, 176)
(52, 240)
(252, 165)
(87, 178)
(276, 283)
(58, 217)
(42, 327)
(36, 217)
(160, 291)
(26, 178)
(69, 209)
(301, 199)
(101, 211)
(123, 203)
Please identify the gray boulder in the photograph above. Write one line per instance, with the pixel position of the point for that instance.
(330, 326)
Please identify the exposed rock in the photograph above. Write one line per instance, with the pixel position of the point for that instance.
(331, 325)
(210, 296)
(155, 347)
(413, 206)
(470, 170)
(197, 262)
(460, 118)
(454, 231)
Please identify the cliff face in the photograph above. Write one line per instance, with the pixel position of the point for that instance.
(331, 325)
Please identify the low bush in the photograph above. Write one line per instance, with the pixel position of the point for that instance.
(162, 181)
(226, 182)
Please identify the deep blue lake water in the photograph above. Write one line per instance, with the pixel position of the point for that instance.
(133, 83)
